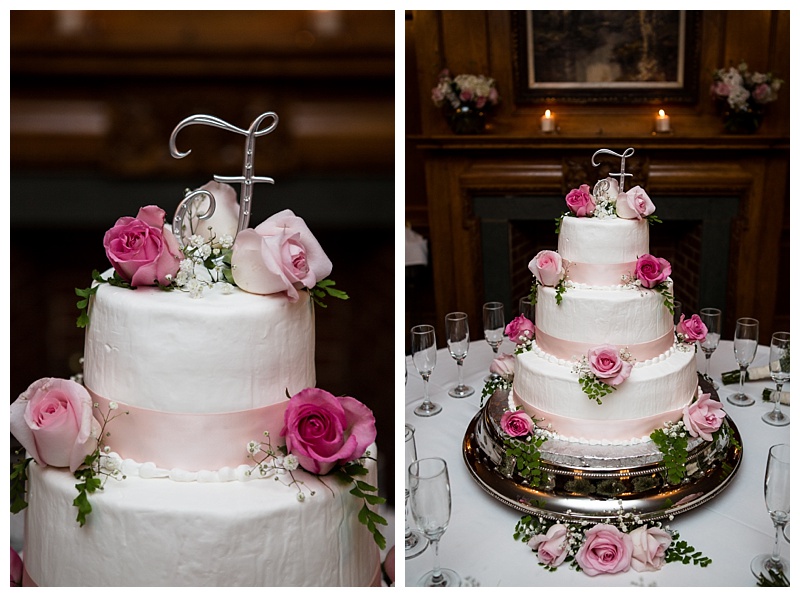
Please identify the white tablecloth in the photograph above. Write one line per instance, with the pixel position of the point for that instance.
(730, 529)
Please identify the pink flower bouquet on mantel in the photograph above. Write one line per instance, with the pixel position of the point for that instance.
(465, 100)
(742, 96)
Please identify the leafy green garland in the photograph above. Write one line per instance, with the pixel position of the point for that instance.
(527, 456)
(594, 388)
(369, 494)
(672, 441)
(19, 480)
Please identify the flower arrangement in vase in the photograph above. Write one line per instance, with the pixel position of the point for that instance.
(742, 96)
(465, 101)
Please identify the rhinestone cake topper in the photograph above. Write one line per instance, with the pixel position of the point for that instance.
(246, 179)
(622, 174)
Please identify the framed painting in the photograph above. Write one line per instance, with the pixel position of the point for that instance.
(606, 56)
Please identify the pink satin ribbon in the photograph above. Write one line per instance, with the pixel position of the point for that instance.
(190, 441)
(611, 430)
(567, 349)
(599, 274)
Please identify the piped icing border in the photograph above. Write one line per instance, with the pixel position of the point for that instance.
(580, 348)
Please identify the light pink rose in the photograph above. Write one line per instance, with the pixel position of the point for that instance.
(692, 329)
(703, 417)
(649, 546)
(548, 267)
(606, 550)
(651, 271)
(551, 548)
(762, 94)
(503, 365)
(225, 219)
(720, 89)
(16, 569)
(53, 421)
(580, 201)
(516, 423)
(607, 365)
(142, 250)
(279, 255)
(634, 204)
(323, 430)
(520, 329)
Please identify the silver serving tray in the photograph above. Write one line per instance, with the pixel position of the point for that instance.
(595, 482)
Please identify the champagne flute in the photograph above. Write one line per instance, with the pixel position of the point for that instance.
(745, 344)
(712, 318)
(415, 542)
(494, 324)
(677, 309)
(431, 504)
(779, 371)
(776, 495)
(456, 328)
(423, 351)
(526, 307)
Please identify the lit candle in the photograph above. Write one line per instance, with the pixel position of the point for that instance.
(548, 122)
(662, 122)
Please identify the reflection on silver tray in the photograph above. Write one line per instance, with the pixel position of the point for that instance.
(591, 483)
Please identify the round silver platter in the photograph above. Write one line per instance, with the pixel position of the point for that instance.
(583, 482)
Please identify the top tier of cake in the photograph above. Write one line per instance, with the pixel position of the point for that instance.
(603, 241)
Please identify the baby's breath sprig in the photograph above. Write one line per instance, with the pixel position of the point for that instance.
(494, 383)
(275, 462)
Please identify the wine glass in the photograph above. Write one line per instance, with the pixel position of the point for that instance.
(423, 351)
(779, 371)
(745, 344)
(415, 542)
(712, 318)
(494, 324)
(776, 495)
(431, 505)
(456, 327)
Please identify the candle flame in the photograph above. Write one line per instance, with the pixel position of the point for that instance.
(547, 113)
(661, 114)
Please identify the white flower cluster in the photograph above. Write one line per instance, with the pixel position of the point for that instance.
(269, 463)
(675, 430)
(206, 254)
(605, 201)
(738, 86)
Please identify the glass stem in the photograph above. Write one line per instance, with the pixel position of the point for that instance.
(776, 409)
(425, 385)
(742, 373)
(408, 527)
(436, 575)
(776, 548)
(708, 359)
(460, 363)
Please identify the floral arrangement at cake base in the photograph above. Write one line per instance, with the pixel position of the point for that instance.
(465, 101)
(742, 97)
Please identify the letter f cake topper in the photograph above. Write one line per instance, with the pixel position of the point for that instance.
(247, 178)
(622, 174)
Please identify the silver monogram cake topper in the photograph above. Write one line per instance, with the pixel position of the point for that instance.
(622, 174)
(246, 179)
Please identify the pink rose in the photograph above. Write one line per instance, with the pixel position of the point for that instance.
(225, 219)
(503, 365)
(16, 569)
(649, 546)
(720, 89)
(762, 93)
(323, 430)
(703, 417)
(279, 255)
(692, 329)
(651, 271)
(606, 364)
(53, 421)
(634, 204)
(606, 550)
(516, 423)
(581, 202)
(548, 268)
(551, 548)
(141, 250)
(520, 329)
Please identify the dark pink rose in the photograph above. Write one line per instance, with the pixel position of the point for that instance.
(692, 329)
(16, 569)
(279, 255)
(503, 365)
(548, 267)
(720, 89)
(323, 430)
(762, 94)
(634, 204)
(141, 250)
(651, 271)
(649, 546)
(606, 550)
(520, 329)
(551, 548)
(516, 423)
(53, 421)
(703, 417)
(581, 202)
(607, 365)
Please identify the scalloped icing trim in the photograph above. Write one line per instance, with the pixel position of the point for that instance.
(570, 363)
(149, 470)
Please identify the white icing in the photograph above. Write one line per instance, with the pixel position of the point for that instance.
(571, 362)
(603, 240)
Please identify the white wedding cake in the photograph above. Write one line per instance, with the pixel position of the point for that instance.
(197, 451)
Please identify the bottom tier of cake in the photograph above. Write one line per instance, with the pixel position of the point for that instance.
(158, 532)
(595, 482)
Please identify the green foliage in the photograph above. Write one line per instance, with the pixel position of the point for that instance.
(675, 451)
(680, 551)
(669, 299)
(369, 494)
(561, 288)
(774, 578)
(653, 219)
(495, 382)
(19, 478)
(559, 219)
(91, 482)
(527, 455)
(326, 288)
(534, 292)
(594, 388)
